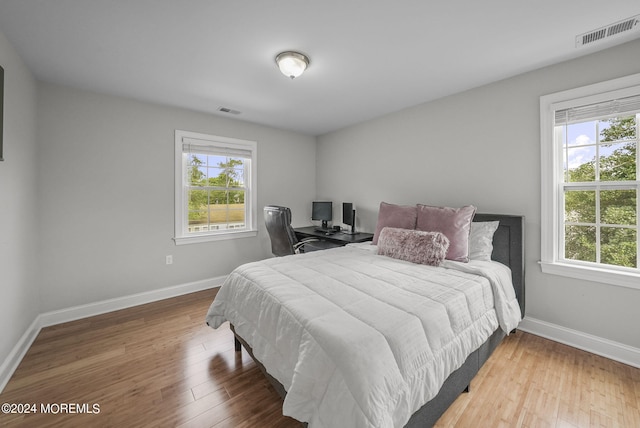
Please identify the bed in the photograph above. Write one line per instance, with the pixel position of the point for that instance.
(343, 349)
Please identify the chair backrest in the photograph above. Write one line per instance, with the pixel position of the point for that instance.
(278, 222)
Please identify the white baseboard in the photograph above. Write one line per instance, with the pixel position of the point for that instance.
(596, 345)
(47, 319)
(83, 311)
(10, 364)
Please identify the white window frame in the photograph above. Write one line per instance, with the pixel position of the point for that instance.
(182, 235)
(551, 181)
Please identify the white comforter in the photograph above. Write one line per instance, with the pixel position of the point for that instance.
(361, 340)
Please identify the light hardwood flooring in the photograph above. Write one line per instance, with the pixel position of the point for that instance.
(159, 365)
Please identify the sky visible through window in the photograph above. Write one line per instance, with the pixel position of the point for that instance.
(581, 140)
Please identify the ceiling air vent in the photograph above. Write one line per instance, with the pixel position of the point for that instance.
(630, 24)
(228, 110)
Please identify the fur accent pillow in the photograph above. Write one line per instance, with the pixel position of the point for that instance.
(415, 246)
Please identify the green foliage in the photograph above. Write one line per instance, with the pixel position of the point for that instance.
(228, 178)
(620, 128)
(618, 245)
(580, 243)
(621, 165)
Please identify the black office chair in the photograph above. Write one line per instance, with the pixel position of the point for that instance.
(283, 238)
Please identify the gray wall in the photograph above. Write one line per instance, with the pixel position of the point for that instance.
(19, 298)
(107, 190)
(482, 147)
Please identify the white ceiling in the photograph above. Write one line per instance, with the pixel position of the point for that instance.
(368, 58)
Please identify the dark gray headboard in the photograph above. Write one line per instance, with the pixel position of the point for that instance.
(508, 248)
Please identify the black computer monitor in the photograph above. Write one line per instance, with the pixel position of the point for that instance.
(322, 211)
(349, 215)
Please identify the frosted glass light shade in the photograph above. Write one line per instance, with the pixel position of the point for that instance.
(292, 64)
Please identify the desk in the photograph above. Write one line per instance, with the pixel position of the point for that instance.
(337, 238)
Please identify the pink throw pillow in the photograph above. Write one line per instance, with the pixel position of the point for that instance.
(454, 223)
(391, 215)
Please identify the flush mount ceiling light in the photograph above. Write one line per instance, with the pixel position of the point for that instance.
(292, 64)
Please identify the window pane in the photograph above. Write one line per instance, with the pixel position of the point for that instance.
(230, 215)
(197, 218)
(197, 176)
(618, 207)
(236, 214)
(218, 213)
(580, 206)
(238, 178)
(619, 246)
(236, 197)
(580, 134)
(213, 174)
(581, 164)
(618, 128)
(197, 159)
(216, 178)
(580, 243)
(198, 213)
(198, 200)
(618, 162)
(227, 174)
(238, 164)
(218, 197)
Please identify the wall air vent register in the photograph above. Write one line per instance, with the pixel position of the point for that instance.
(620, 27)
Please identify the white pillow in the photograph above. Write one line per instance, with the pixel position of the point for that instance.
(481, 239)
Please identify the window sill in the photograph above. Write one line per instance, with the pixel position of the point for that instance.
(590, 273)
(196, 239)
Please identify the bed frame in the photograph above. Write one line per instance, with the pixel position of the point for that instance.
(508, 248)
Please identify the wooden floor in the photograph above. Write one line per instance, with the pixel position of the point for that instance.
(159, 365)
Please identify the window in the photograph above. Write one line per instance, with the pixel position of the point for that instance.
(215, 189)
(590, 183)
